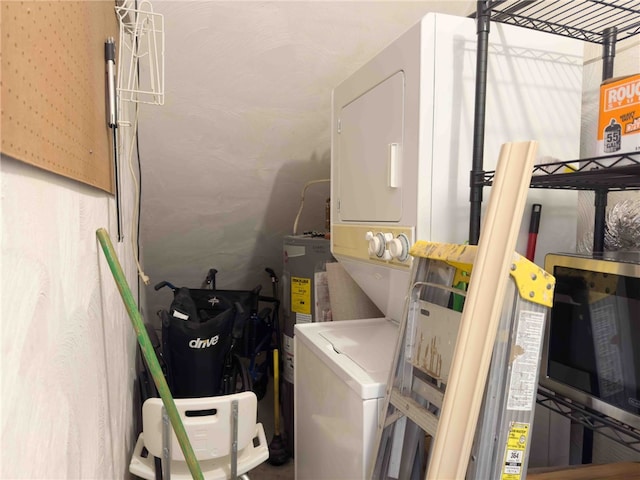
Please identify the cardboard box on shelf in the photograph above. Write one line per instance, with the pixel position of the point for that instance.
(619, 119)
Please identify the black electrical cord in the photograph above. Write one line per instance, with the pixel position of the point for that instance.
(139, 170)
(139, 198)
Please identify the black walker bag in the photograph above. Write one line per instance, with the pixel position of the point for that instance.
(198, 335)
(195, 344)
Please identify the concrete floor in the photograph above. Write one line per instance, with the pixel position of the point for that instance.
(267, 471)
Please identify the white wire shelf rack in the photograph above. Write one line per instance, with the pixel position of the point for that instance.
(140, 53)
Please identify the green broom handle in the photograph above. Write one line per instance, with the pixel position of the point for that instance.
(149, 353)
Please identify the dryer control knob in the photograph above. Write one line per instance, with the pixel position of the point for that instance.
(399, 247)
(376, 244)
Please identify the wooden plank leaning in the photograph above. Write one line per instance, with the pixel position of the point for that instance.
(480, 317)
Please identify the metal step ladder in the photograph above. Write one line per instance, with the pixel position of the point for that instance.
(461, 394)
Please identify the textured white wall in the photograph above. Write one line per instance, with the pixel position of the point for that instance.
(246, 125)
(67, 343)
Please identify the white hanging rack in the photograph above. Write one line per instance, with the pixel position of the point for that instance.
(141, 47)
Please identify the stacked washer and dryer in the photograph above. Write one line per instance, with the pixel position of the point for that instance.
(401, 149)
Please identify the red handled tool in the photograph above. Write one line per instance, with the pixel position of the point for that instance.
(534, 226)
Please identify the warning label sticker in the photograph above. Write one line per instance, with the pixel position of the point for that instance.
(301, 295)
(515, 451)
(287, 358)
(524, 369)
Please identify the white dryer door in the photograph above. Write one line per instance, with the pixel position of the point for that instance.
(370, 149)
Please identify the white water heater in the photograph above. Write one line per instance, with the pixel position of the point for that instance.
(305, 299)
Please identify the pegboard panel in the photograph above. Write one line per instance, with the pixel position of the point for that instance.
(53, 87)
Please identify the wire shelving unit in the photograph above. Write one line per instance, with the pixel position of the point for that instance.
(601, 22)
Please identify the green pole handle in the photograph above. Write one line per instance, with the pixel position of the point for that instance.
(149, 353)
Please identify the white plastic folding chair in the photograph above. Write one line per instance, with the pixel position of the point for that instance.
(214, 425)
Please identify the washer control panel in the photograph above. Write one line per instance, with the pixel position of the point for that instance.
(376, 243)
